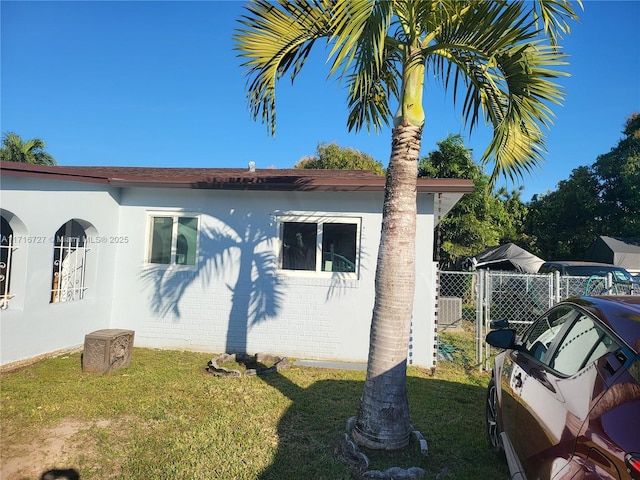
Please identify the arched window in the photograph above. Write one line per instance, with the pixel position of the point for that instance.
(6, 254)
(69, 263)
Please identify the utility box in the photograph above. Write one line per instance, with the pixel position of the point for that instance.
(107, 350)
(449, 313)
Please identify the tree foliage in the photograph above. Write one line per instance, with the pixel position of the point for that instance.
(618, 173)
(330, 156)
(564, 222)
(601, 199)
(516, 212)
(479, 220)
(14, 149)
(499, 58)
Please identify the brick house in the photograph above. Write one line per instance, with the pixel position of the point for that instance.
(216, 260)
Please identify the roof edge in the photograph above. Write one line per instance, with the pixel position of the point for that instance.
(229, 178)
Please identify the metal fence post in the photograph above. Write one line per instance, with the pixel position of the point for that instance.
(480, 306)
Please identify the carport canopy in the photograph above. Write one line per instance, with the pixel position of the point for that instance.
(508, 257)
(622, 251)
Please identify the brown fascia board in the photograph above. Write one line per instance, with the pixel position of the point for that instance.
(53, 172)
(445, 185)
(229, 178)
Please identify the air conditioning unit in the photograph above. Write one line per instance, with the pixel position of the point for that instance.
(449, 313)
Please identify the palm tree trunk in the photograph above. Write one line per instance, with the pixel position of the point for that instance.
(383, 418)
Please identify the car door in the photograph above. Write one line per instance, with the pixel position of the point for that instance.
(557, 394)
(524, 365)
(519, 362)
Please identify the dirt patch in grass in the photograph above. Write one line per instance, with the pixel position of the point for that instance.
(53, 448)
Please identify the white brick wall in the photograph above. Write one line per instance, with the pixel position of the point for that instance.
(322, 318)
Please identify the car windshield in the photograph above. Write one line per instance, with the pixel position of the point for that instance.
(589, 270)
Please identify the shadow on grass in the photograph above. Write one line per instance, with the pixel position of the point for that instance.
(310, 430)
(61, 474)
(450, 416)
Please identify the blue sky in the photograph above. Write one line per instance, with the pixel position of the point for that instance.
(157, 83)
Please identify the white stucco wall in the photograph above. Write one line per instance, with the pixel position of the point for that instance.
(31, 325)
(207, 308)
(424, 328)
(316, 317)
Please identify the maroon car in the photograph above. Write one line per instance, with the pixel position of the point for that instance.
(564, 398)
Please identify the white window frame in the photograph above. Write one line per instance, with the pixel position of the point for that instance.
(5, 272)
(319, 220)
(174, 239)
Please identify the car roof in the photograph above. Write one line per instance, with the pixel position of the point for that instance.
(571, 263)
(570, 267)
(621, 313)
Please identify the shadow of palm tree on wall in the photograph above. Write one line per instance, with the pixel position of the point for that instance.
(236, 254)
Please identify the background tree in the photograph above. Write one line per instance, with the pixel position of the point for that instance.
(331, 156)
(479, 220)
(14, 149)
(495, 56)
(564, 223)
(603, 199)
(619, 174)
(516, 212)
(467, 228)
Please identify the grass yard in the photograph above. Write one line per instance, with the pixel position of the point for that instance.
(164, 417)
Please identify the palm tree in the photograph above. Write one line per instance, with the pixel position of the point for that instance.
(14, 149)
(500, 58)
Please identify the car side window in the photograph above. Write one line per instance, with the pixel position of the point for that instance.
(584, 343)
(619, 276)
(539, 338)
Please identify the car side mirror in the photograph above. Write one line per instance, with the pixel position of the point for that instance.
(498, 324)
(503, 339)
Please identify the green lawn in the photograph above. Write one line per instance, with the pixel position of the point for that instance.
(164, 417)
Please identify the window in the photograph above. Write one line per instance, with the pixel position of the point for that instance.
(583, 344)
(69, 263)
(6, 253)
(538, 339)
(568, 340)
(299, 245)
(339, 247)
(319, 244)
(173, 240)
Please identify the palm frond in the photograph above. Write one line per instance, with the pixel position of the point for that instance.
(275, 39)
(489, 52)
(518, 137)
(553, 15)
(350, 20)
(507, 75)
(364, 55)
(370, 91)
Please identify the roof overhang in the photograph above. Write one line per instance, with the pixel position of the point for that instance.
(234, 179)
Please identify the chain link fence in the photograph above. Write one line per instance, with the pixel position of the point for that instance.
(471, 300)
